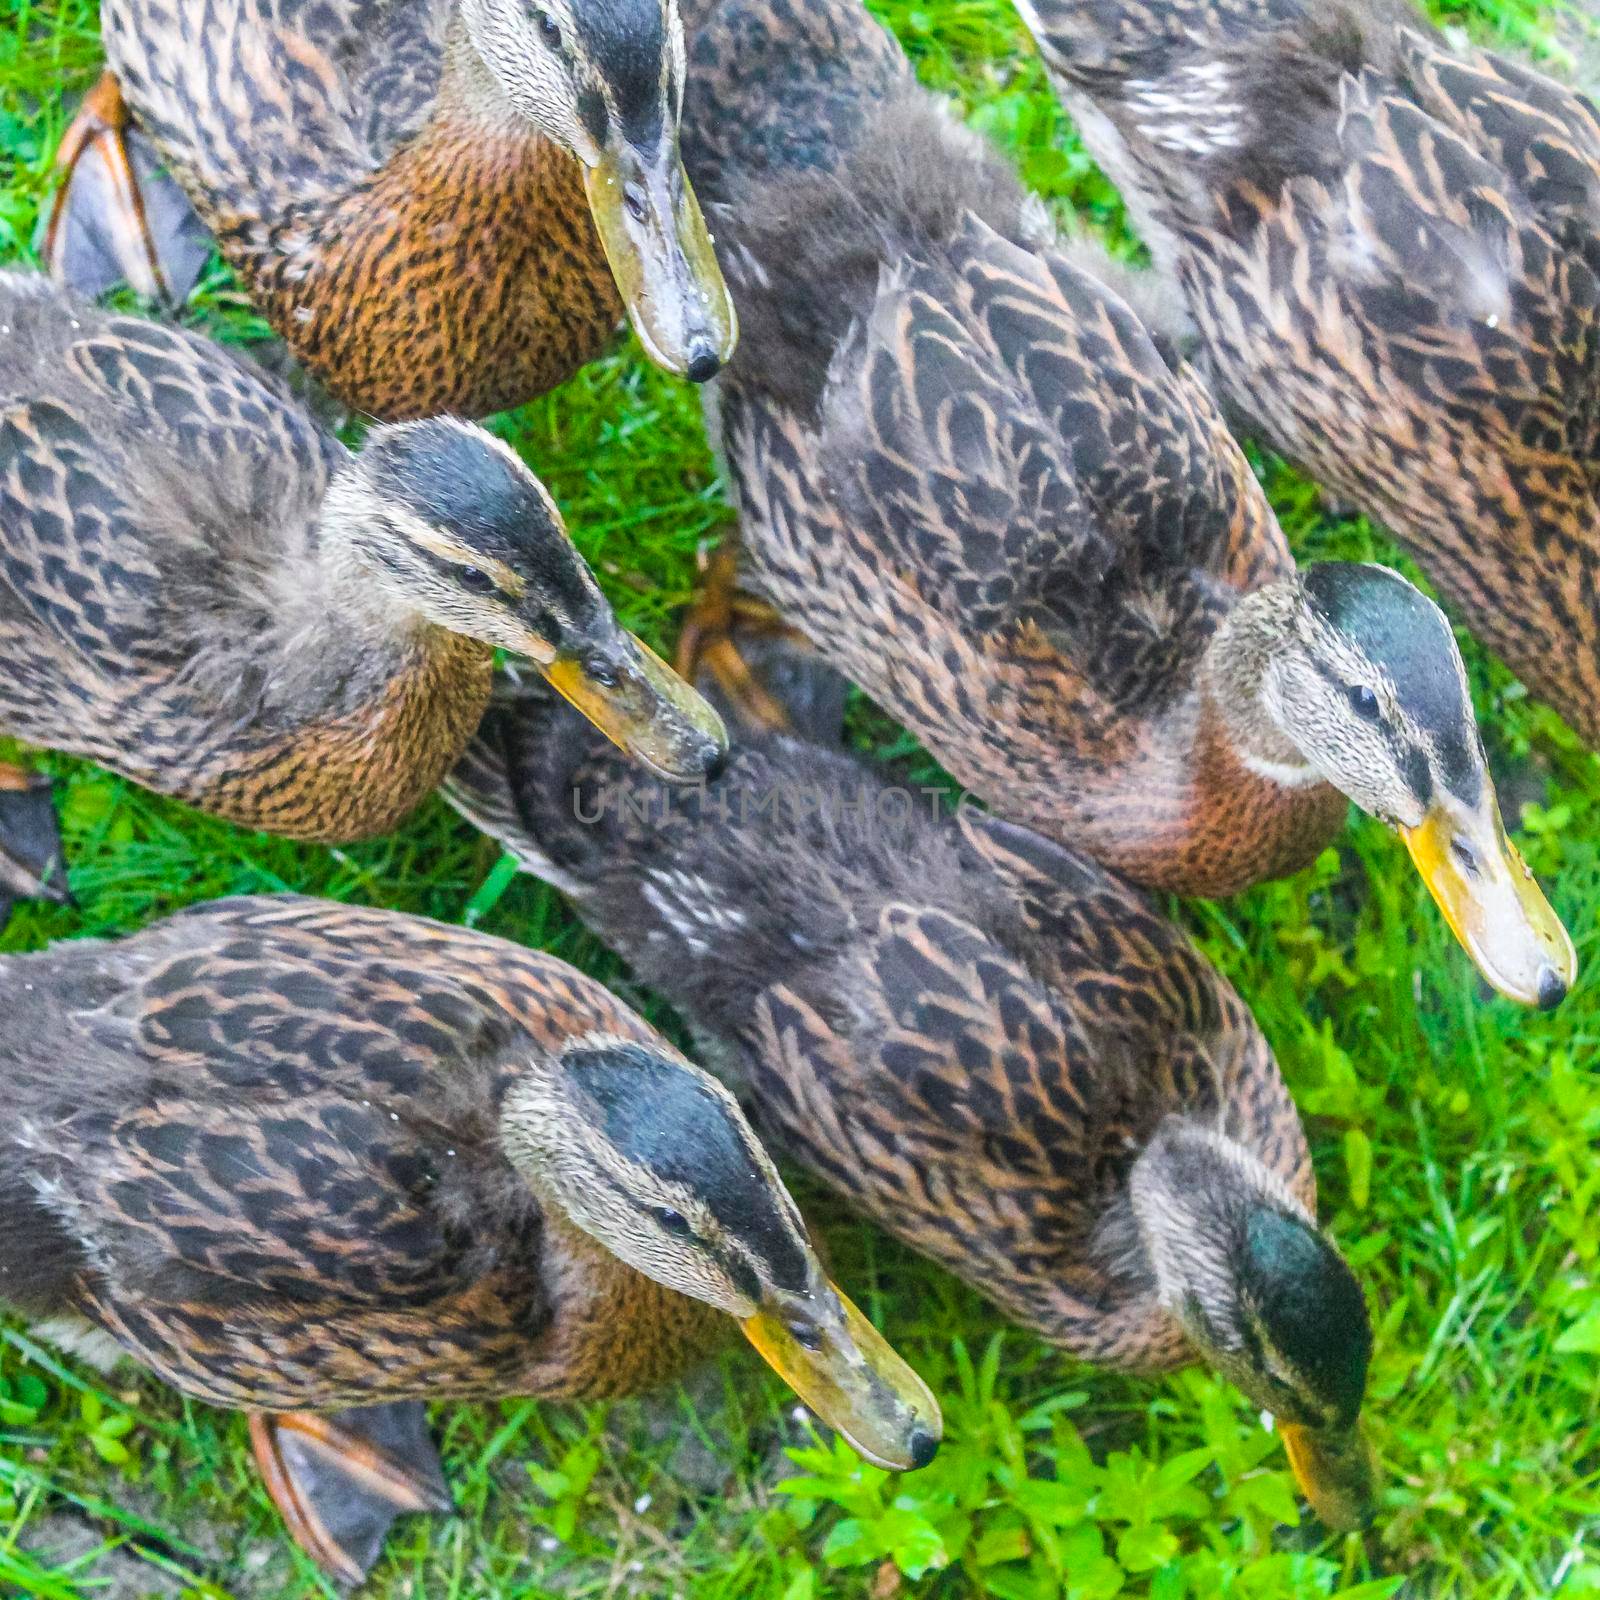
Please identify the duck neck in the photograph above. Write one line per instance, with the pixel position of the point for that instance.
(593, 1295)
(355, 608)
(470, 96)
(1183, 1190)
(356, 645)
(1156, 1237)
(592, 1290)
(1187, 1193)
(1234, 679)
(354, 706)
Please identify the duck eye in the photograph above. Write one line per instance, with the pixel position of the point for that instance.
(1365, 703)
(805, 1334)
(674, 1222)
(477, 580)
(550, 29)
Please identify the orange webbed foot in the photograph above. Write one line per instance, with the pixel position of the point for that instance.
(340, 1480)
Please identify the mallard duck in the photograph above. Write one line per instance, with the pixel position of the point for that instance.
(441, 205)
(982, 1040)
(311, 1156)
(969, 477)
(1390, 252)
(203, 589)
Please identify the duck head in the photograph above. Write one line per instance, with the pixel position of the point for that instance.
(603, 79)
(444, 520)
(653, 1158)
(1264, 1297)
(1347, 674)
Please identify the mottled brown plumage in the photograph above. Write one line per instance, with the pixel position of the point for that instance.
(1390, 251)
(312, 1156)
(202, 588)
(969, 475)
(981, 1040)
(466, 278)
(401, 184)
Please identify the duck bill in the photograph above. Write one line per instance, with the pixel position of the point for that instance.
(846, 1372)
(1335, 1471)
(661, 256)
(638, 702)
(1491, 901)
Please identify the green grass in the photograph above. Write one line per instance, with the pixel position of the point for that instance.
(1454, 1139)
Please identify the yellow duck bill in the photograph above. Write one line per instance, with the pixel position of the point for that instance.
(1335, 1471)
(844, 1369)
(661, 256)
(1491, 901)
(645, 708)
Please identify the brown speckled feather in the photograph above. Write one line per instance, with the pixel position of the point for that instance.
(1392, 255)
(966, 1030)
(968, 475)
(416, 260)
(274, 1171)
(160, 609)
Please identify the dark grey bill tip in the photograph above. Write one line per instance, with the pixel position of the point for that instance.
(1552, 988)
(704, 365)
(924, 1447)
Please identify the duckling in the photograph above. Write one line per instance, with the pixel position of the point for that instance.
(1389, 251)
(312, 1156)
(983, 1041)
(968, 474)
(204, 590)
(441, 205)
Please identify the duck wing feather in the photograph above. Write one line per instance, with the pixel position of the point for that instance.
(265, 106)
(1008, 431)
(158, 502)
